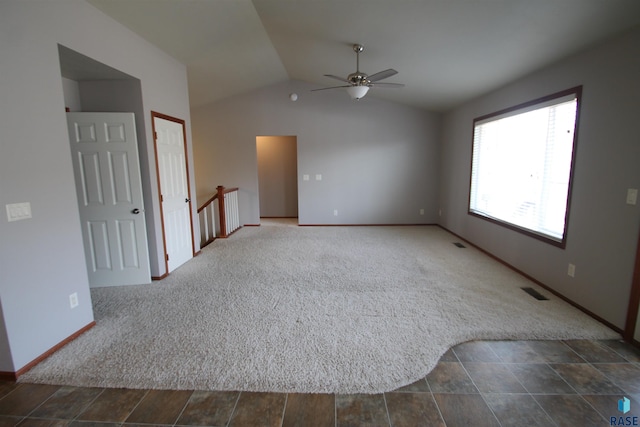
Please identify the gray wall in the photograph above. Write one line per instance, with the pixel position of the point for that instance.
(42, 259)
(603, 229)
(379, 161)
(71, 90)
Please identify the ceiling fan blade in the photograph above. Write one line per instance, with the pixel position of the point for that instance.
(342, 79)
(332, 87)
(382, 75)
(386, 85)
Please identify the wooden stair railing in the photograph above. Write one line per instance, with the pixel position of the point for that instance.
(206, 217)
(226, 211)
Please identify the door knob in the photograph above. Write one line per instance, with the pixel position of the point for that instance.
(187, 200)
(136, 211)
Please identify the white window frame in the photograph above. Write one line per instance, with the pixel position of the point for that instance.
(478, 205)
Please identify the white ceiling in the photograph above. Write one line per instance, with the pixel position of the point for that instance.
(445, 51)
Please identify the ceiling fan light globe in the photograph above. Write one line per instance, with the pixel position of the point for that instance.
(357, 92)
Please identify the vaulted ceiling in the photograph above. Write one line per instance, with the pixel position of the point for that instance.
(445, 51)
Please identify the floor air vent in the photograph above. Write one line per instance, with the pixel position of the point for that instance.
(460, 245)
(537, 295)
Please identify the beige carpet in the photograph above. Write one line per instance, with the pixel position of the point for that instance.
(308, 309)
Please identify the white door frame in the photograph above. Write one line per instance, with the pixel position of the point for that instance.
(631, 331)
(155, 115)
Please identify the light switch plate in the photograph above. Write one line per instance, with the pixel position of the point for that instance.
(305, 177)
(318, 177)
(18, 211)
(571, 271)
(632, 196)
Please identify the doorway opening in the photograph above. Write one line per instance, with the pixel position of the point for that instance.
(89, 85)
(278, 176)
(632, 327)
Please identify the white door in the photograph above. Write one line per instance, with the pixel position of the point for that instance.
(107, 173)
(174, 190)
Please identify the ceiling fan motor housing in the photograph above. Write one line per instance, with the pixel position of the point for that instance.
(358, 79)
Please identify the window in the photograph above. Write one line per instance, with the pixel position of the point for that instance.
(522, 165)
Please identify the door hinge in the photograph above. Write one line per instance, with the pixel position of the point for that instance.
(167, 257)
(155, 136)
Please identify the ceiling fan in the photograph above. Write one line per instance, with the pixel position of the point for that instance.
(359, 83)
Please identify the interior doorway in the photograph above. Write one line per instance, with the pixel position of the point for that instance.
(632, 326)
(89, 85)
(278, 176)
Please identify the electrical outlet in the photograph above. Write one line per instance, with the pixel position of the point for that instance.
(421, 211)
(73, 300)
(335, 212)
(632, 196)
(571, 271)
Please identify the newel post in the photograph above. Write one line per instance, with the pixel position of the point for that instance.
(221, 211)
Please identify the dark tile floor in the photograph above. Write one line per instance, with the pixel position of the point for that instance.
(480, 383)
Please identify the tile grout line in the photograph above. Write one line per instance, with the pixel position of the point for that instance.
(593, 365)
(620, 354)
(503, 363)
(481, 395)
(625, 391)
(175, 422)
(83, 410)
(527, 390)
(386, 408)
(233, 410)
(433, 398)
(626, 362)
(284, 409)
(335, 410)
(547, 363)
(135, 407)
(20, 418)
(42, 403)
(477, 388)
(567, 382)
(546, 394)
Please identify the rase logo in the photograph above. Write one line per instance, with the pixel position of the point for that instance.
(624, 406)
